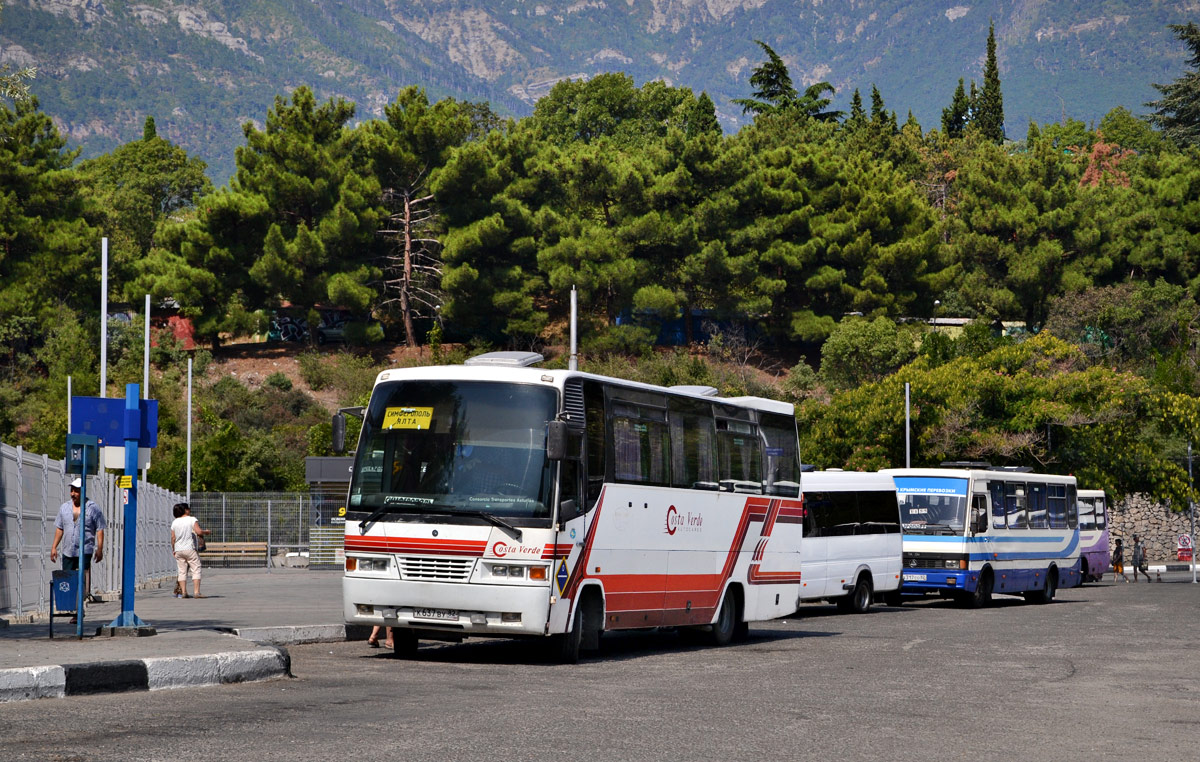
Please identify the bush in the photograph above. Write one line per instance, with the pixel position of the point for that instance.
(314, 370)
(359, 334)
(860, 351)
(279, 380)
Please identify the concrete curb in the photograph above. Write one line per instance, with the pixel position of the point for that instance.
(293, 635)
(151, 674)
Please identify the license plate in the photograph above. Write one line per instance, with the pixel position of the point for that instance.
(444, 614)
(914, 577)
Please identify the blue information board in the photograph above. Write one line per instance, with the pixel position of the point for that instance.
(105, 418)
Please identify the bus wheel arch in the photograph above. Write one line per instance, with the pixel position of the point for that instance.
(591, 604)
(982, 595)
(858, 600)
(729, 616)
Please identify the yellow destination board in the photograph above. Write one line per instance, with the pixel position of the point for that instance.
(407, 417)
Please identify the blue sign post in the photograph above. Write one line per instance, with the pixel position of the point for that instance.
(136, 424)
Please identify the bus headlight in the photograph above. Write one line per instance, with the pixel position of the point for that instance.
(367, 564)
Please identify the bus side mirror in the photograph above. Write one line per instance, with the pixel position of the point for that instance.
(339, 432)
(556, 440)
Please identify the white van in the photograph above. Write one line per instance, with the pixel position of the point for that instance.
(853, 547)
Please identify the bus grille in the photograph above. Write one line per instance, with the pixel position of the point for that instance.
(421, 568)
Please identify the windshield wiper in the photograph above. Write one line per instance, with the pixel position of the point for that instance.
(375, 516)
(497, 521)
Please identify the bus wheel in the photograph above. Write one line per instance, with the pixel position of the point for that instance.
(567, 644)
(983, 592)
(1083, 573)
(1049, 588)
(404, 643)
(859, 599)
(727, 620)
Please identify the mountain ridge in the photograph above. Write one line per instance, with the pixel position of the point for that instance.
(204, 67)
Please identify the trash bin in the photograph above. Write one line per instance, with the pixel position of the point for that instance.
(63, 583)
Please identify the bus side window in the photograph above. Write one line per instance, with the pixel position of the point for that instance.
(1014, 505)
(1072, 508)
(739, 453)
(1056, 501)
(569, 504)
(782, 461)
(979, 514)
(595, 445)
(996, 489)
(1087, 513)
(1101, 514)
(877, 513)
(1037, 506)
(693, 444)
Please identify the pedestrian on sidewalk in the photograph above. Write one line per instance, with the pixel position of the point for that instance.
(1118, 561)
(184, 530)
(1139, 559)
(94, 525)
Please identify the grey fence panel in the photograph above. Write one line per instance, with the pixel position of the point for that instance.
(32, 487)
(280, 519)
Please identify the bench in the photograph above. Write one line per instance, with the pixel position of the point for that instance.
(225, 552)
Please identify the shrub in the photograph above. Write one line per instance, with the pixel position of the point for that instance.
(314, 370)
(279, 380)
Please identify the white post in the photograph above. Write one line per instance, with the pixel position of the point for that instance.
(573, 362)
(103, 316)
(189, 432)
(1192, 504)
(146, 374)
(907, 428)
(68, 404)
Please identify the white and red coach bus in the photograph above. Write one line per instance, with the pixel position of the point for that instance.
(497, 499)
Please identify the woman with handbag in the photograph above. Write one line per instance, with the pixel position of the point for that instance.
(187, 539)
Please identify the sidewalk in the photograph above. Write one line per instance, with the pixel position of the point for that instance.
(234, 634)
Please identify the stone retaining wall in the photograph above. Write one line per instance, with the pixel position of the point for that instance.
(1158, 526)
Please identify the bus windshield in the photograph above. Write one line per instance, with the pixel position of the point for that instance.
(450, 447)
(932, 505)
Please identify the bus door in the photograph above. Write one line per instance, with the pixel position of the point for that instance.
(982, 547)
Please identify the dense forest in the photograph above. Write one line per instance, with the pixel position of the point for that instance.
(804, 258)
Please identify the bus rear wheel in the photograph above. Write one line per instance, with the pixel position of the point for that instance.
(728, 617)
(859, 599)
(1049, 588)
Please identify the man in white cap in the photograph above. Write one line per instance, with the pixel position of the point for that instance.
(67, 522)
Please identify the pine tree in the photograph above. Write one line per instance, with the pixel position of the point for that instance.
(989, 104)
(878, 113)
(772, 85)
(954, 117)
(858, 116)
(1177, 113)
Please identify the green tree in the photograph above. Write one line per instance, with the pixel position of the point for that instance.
(138, 186)
(323, 208)
(989, 106)
(1120, 126)
(860, 351)
(49, 249)
(955, 116)
(1177, 112)
(773, 88)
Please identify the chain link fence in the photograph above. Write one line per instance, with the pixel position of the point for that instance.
(32, 487)
(288, 522)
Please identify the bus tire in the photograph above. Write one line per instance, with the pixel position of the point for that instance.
(1049, 588)
(404, 643)
(1084, 576)
(567, 644)
(725, 626)
(859, 599)
(983, 592)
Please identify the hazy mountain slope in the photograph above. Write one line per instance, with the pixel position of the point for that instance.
(203, 67)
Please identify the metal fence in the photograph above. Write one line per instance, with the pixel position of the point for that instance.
(32, 487)
(285, 521)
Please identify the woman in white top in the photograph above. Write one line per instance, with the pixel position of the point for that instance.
(184, 530)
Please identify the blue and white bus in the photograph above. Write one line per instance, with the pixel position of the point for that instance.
(974, 531)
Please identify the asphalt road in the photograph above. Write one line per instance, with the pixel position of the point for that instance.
(1106, 672)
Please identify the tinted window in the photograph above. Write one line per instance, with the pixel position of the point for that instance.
(832, 513)
(781, 455)
(878, 512)
(640, 443)
(739, 453)
(1037, 506)
(694, 444)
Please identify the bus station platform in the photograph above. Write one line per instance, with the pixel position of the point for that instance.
(238, 631)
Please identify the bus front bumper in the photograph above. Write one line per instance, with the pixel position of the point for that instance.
(922, 581)
(456, 609)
